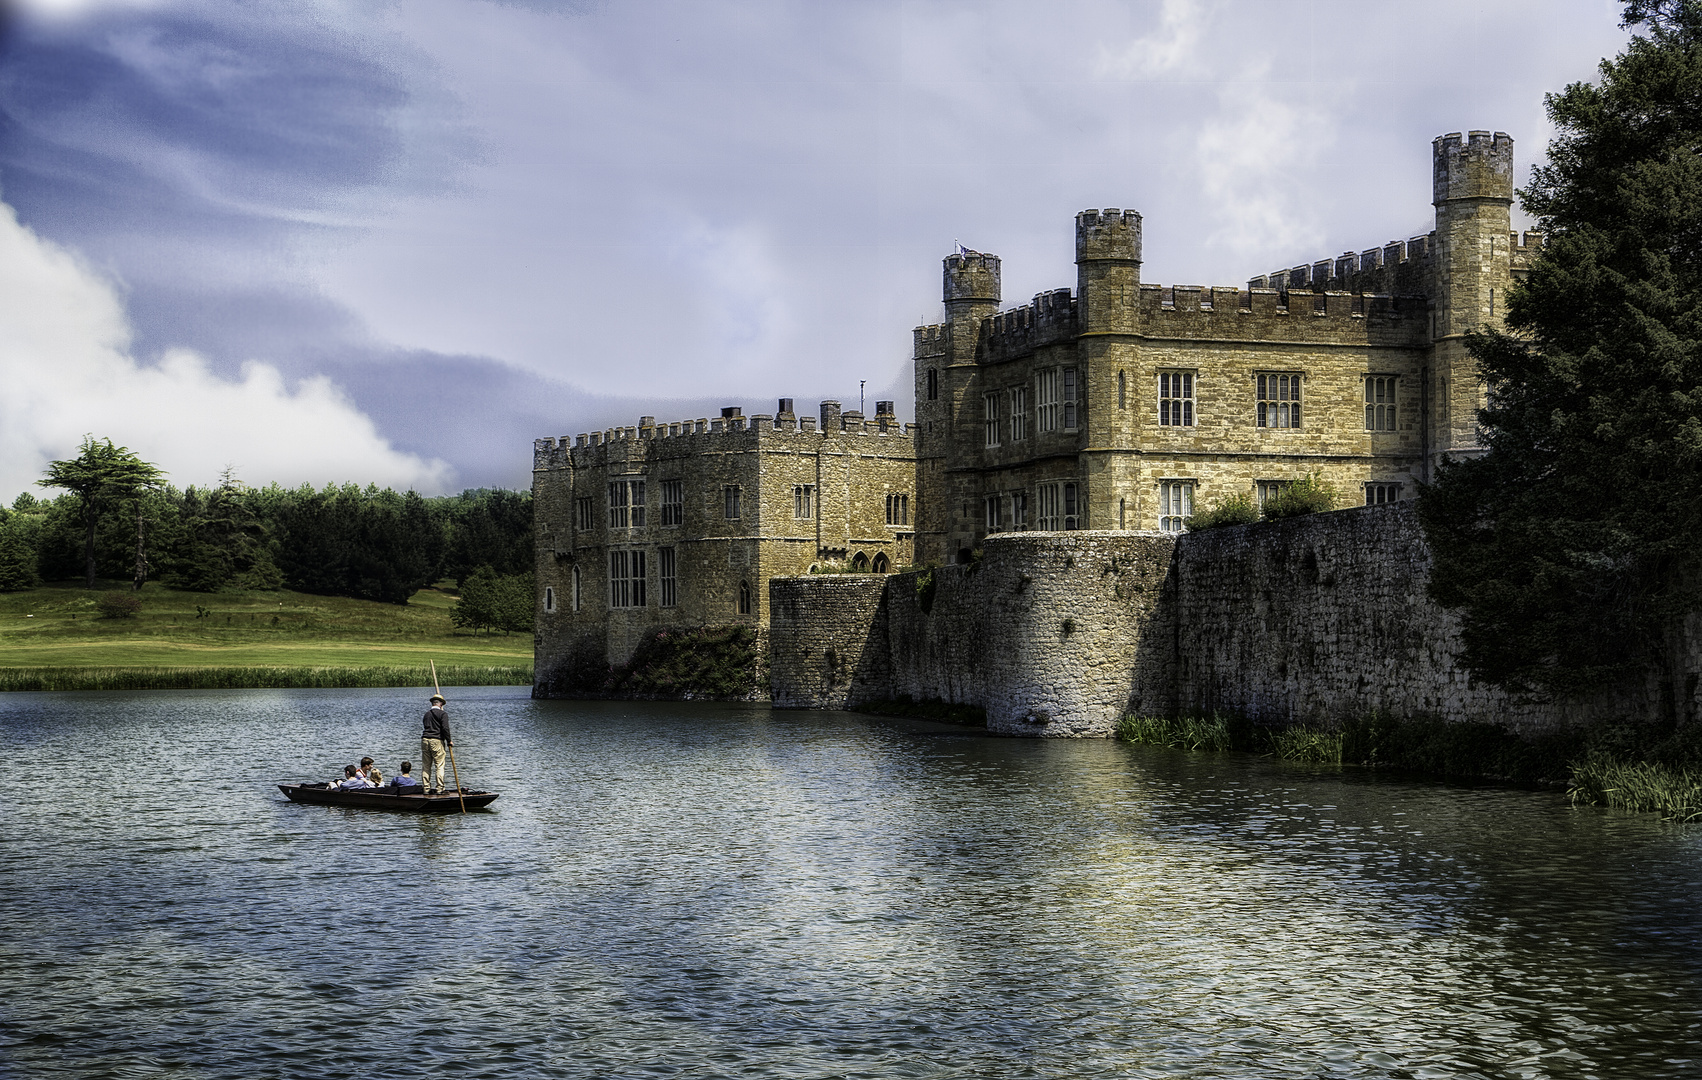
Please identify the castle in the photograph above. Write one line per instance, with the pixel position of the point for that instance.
(683, 524)
(1126, 405)
(1122, 406)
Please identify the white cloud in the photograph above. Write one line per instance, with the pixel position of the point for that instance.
(1252, 160)
(66, 370)
(1171, 49)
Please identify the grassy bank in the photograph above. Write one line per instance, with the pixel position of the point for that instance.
(1640, 767)
(54, 638)
(261, 678)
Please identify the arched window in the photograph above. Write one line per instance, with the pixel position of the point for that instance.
(933, 384)
(882, 564)
(576, 588)
(745, 606)
(549, 598)
(860, 563)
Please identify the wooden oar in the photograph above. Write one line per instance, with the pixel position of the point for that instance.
(453, 771)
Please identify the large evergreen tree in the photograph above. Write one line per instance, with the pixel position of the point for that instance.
(105, 477)
(1572, 546)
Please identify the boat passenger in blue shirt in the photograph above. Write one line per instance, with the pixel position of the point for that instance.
(405, 784)
(352, 778)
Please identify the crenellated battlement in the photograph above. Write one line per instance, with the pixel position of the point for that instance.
(1049, 318)
(1108, 235)
(1523, 249)
(1476, 166)
(1227, 311)
(971, 275)
(691, 436)
(932, 340)
(1398, 268)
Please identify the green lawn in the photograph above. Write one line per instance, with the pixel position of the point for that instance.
(57, 626)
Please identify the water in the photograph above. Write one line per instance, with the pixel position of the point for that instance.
(715, 891)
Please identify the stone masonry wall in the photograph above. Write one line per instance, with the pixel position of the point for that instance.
(829, 645)
(1059, 634)
(1327, 616)
(1043, 632)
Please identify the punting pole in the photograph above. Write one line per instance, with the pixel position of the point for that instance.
(453, 771)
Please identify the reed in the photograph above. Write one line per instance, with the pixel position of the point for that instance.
(1649, 787)
(270, 677)
(1201, 733)
(1307, 744)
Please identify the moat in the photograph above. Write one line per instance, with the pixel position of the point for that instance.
(700, 890)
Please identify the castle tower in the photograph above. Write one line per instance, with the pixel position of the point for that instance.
(1108, 288)
(945, 365)
(1474, 199)
(1108, 270)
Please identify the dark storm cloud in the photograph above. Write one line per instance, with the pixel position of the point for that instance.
(201, 121)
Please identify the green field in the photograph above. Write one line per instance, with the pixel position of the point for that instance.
(58, 628)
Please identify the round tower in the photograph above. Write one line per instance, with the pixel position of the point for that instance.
(1108, 269)
(971, 282)
(1480, 166)
(1473, 185)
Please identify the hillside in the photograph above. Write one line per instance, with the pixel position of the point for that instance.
(59, 627)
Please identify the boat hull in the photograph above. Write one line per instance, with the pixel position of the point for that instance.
(382, 799)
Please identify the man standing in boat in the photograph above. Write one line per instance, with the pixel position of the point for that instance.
(434, 744)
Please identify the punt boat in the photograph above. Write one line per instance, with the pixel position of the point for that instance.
(384, 799)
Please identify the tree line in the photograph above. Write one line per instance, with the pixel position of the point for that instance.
(119, 519)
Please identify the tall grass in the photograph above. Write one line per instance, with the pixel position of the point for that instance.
(259, 678)
(1637, 785)
(1307, 744)
(1203, 733)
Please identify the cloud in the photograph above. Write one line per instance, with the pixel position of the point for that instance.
(1170, 49)
(1251, 163)
(66, 370)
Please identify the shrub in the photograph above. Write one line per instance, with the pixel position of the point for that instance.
(1307, 495)
(710, 661)
(925, 590)
(1235, 510)
(119, 605)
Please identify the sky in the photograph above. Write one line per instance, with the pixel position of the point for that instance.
(323, 241)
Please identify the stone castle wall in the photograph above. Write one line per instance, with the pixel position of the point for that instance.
(1326, 616)
(834, 652)
(1059, 634)
(1043, 632)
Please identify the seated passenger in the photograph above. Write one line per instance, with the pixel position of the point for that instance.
(370, 771)
(405, 784)
(352, 779)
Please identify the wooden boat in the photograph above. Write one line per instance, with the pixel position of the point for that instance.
(385, 799)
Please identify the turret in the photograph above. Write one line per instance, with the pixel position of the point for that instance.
(1477, 167)
(1473, 183)
(970, 277)
(1108, 269)
(971, 294)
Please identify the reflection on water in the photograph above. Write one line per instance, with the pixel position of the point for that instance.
(705, 890)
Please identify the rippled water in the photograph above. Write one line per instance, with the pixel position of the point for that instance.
(705, 890)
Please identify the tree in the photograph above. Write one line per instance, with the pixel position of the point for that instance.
(104, 477)
(17, 551)
(1570, 545)
(493, 602)
(225, 544)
